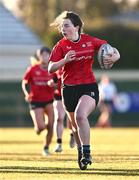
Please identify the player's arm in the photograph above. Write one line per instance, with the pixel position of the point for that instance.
(54, 66)
(24, 88)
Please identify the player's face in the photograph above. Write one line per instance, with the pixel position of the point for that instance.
(69, 30)
(44, 57)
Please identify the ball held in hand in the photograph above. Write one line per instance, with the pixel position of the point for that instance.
(104, 51)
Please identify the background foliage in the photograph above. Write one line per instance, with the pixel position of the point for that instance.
(97, 16)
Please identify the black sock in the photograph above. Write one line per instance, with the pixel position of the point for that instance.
(79, 148)
(71, 134)
(86, 150)
(46, 147)
(59, 141)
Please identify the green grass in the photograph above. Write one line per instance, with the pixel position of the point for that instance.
(115, 154)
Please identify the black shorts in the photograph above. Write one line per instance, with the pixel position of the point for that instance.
(34, 105)
(57, 97)
(72, 94)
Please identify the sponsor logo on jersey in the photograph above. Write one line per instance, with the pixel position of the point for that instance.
(40, 83)
(68, 47)
(83, 58)
(83, 55)
(37, 73)
(89, 44)
(83, 45)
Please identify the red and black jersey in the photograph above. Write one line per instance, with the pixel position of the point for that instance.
(37, 79)
(78, 71)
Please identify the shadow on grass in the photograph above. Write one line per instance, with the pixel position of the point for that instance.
(56, 170)
(38, 157)
(98, 158)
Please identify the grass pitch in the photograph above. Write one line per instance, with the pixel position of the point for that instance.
(115, 153)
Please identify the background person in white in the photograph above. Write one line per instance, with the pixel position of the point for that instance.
(107, 94)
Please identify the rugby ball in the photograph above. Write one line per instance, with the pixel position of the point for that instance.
(104, 50)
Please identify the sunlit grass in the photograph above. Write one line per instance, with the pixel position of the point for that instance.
(115, 154)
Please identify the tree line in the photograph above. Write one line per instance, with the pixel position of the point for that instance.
(38, 14)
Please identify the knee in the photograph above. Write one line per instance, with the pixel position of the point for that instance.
(39, 129)
(60, 120)
(80, 117)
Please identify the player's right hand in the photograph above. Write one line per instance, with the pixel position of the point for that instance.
(70, 56)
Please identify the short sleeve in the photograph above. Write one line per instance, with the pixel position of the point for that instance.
(27, 75)
(56, 54)
(98, 43)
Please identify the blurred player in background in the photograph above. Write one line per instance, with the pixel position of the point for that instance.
(108, 92)
(40, 95)
(60, 116)
(34, 60)
(74, 54)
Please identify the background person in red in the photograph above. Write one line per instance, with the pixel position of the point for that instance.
(74, 53)
(60, 116)
(40, 96)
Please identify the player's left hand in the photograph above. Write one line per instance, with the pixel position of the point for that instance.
(112, 58)
(51, 83)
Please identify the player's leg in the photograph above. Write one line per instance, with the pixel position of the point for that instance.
(49, 119)
(72, 139)
(104, 118)
(77, 139)
(84, 107)
(59, 118)
(37, 115)
(70, 100)
(74, 127)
